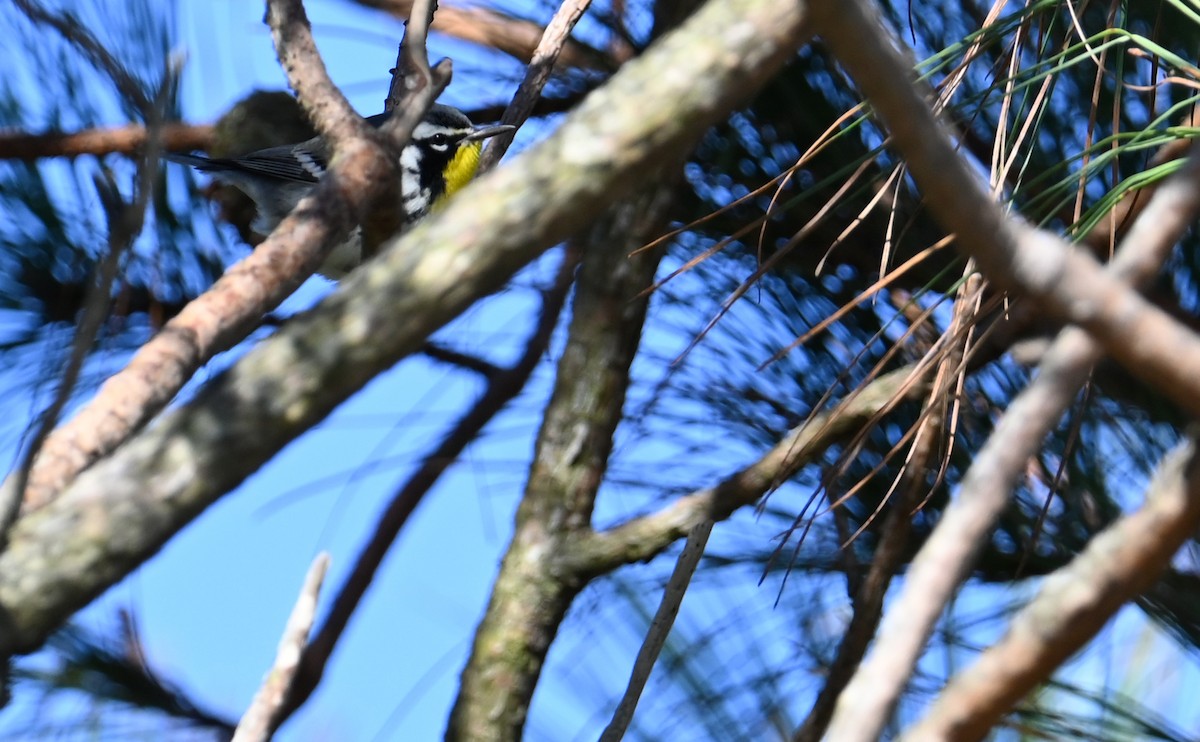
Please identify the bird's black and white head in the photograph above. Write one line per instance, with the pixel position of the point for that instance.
(442, 158)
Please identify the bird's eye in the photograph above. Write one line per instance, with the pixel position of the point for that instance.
(439, 140)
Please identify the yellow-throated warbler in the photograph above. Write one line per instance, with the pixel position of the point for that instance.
(441, 158)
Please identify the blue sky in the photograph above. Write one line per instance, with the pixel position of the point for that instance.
(211, 605)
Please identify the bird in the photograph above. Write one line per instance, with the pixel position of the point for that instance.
(441, 158)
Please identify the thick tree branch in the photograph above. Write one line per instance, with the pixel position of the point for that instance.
(116, 514)
(571, 454)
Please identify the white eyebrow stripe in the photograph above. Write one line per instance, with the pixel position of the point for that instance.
(424, 130)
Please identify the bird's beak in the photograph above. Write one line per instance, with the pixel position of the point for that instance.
(484, 132)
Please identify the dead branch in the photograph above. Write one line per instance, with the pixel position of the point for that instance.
(266, 710)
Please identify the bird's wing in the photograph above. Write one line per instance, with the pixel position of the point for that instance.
(293, 163)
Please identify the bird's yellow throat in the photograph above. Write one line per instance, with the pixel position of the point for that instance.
(461, 169)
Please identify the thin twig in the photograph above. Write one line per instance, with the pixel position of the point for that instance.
(91, 47)
(412, 56)
(660, 627)
(545, 56)
(889, 553)
(411, 93)
(483, 367)
(414, 85)
(265, 714)
(124, 140)
(502, 32)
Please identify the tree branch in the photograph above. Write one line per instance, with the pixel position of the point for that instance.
(660, 629)
(327, 108)
(1073, 604)
(530, 596)
(549, 47)
(265, 714)
(642, 538)
(484, 368)
(413, 89)
(124, 140)
(516, 37)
